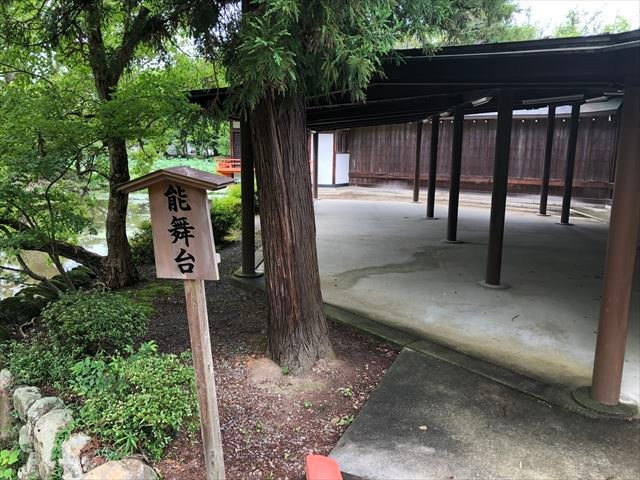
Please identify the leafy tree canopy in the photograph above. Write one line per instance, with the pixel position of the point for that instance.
(579, 23)
(318, 47)
(58, 110)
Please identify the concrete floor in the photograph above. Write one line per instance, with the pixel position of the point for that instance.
(384, 260)
(429, 419)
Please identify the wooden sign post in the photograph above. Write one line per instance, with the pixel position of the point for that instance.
(184, 248)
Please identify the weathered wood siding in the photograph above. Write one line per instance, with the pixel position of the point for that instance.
(386, 154)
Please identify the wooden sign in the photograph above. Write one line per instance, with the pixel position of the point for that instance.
(184, 249)
(183, 242)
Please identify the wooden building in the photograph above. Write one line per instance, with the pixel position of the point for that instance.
(385, 154)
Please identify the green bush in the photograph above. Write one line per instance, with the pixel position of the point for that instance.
(39, 362)
(94, 321)
(226, 214)
(79, 324)
(235, 191)
(136, 403)
(142, 245)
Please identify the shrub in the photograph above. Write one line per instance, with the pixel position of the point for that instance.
(39, 362)
(142, 245)
(136, 403)
(94, 321)
(235, 191)
(79, 324)
(226, 213)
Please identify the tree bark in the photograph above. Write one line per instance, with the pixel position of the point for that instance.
(118, 269)
(79, 254)
(297, 329)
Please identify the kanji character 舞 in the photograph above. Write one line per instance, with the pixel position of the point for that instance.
(177, 198)
(185, 261)
(181, 230)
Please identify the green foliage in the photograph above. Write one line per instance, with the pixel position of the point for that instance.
(578, 23)
(146, 293)
(347, 392)
(39, 362)
(142, 244)
(207, 164)
(345, 420)
(93, 322)
(79, 324)
(63, 98)
(8, 461)
(226, 214)
(311, 48)
(136, 403)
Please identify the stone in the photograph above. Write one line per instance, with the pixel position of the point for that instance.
(89, 461)
(71, 459)
(38, 409)
(127, 469)
(23, 398)
(6, 380)
(44, 438)
(6, 419)
(29, 470)
(25, 443)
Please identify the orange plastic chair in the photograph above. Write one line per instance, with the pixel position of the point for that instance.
(320, 467)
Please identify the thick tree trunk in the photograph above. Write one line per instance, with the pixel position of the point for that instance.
(297, 329)
(118, 269)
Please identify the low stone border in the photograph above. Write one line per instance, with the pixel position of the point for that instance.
(41, 419)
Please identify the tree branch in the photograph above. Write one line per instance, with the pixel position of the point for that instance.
(65, 249)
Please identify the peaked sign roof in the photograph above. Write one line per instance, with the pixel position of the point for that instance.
(183, 175)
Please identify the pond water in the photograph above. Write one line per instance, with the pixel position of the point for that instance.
(137, 212)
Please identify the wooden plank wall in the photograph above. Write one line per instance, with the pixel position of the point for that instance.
(385, 154)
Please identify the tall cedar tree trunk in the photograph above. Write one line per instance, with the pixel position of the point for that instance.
(297, 329)
(118, 269)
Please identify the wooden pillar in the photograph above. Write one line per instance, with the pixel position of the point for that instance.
(315, 164)
(433, 166)
(571, 160)
(546, 168)
(416, 175)
(248, 201)
(624, 225)
(456, 169)
(499, 195)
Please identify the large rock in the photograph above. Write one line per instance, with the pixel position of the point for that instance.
(23, 398)
(39, 408)
(44, 438)
(25, 443)
(71, 461)
(6, 380)
(127, 469)
(6, 419)
(29, 470)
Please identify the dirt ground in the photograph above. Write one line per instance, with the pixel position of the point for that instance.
(270, 420)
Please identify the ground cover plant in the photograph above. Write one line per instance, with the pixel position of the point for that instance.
(135, 402)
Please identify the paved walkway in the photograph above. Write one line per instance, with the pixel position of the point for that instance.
(383, 260)
(429, 419)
